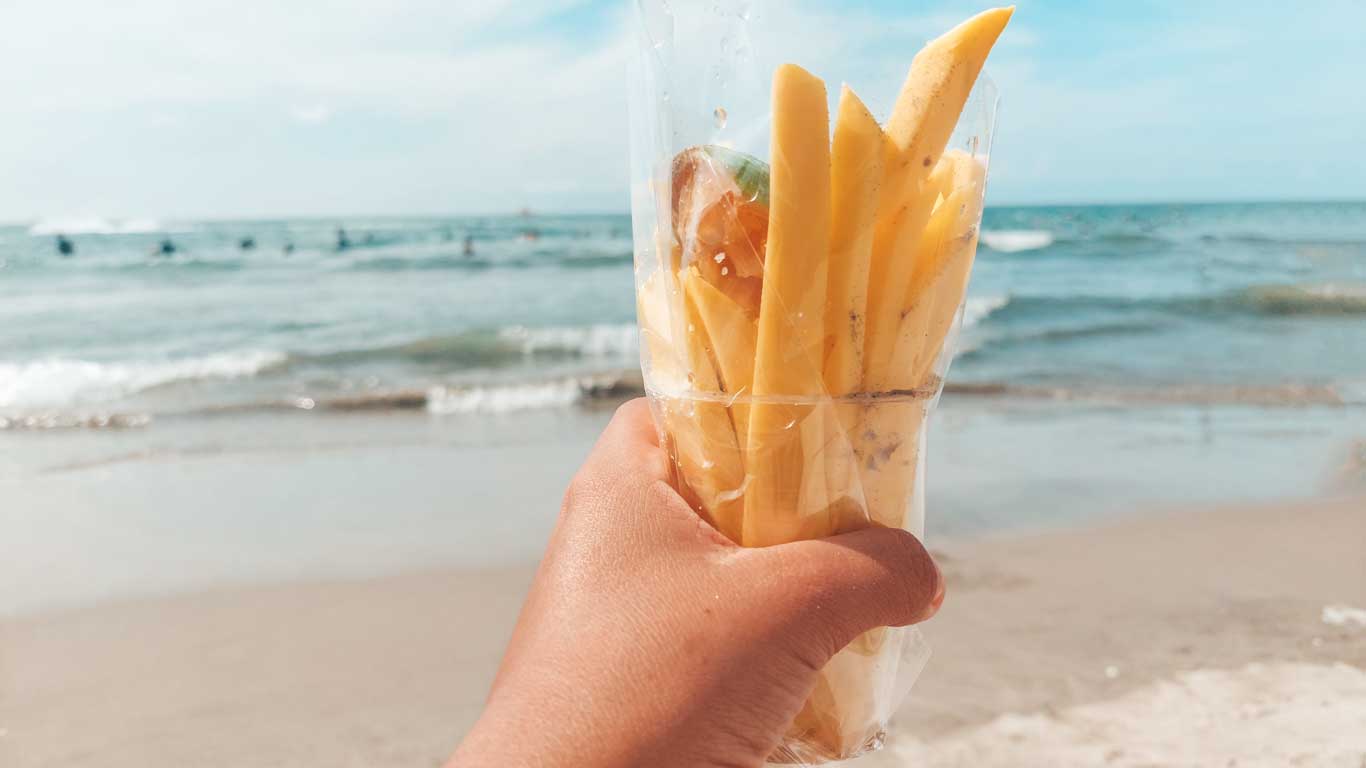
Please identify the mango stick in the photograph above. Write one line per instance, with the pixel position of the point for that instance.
(855, 174)
(780, 493)
(889, 279)
(700, 436)
(731, 338)
(943, 263)
(941, 77)
(950, 269)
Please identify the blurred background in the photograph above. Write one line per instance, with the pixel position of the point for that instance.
(308, 311)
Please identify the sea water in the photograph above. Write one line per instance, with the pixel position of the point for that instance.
(1251, 302)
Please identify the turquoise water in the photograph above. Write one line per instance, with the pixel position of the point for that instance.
(1114, 360)
(1203, 303)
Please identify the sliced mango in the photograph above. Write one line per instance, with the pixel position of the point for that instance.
(707, 459)
(936, 89)
(783, 438)
(731, 338)
(855, 175)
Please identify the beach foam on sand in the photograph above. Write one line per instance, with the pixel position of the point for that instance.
(1272, 715)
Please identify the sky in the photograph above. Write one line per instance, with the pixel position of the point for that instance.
(248, 108)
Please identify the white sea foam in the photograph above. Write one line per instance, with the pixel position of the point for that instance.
(602, 340)
(1269, 715)
(94, 225)
(979, 308)
(504, 399)
(57, 382)
(1016, 240)
(1343, 615)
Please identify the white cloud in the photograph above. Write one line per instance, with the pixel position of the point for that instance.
(477, 96)
(217, 107)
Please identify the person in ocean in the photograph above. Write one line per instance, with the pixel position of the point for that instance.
(469, 246)
(649, 639)
(64, 246)
(343, 242)
(247, 243)
(167, 247)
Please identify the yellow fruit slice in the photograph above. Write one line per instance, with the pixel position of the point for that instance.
(782, 499)
(943, 262)
(731, 335)
(943, 277)
(941, 77)
(889, 280)
(700, 436)
(855, 175)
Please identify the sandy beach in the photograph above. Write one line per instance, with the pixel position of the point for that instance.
(1227, 636)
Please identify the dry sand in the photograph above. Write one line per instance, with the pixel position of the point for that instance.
(1191, 639)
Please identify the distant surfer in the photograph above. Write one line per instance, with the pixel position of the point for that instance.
(64, 246)
(343, 242)
(247, 243)
(469, 246)
(289, 248)
(167, 247)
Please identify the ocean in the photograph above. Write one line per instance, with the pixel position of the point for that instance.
(1250, 303)
(217, 415)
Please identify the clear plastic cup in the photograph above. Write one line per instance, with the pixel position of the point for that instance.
(768, 448)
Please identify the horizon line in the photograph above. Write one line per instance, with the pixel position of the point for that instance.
(626, 212)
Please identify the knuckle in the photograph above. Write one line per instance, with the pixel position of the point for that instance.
(578, 493)
(630, 410)
(659, 494)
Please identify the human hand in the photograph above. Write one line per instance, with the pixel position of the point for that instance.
(649, 639)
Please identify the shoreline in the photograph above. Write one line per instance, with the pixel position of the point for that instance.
(596, 389)
(270, 497)
(391, 670)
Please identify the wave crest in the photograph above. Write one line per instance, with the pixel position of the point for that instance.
(1016, 240)
(979, 308)
(95, 225)
(63, 381)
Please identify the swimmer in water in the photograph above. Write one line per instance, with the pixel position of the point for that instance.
(469, 246)
(64, 246)
(343, 242)
(167, 247)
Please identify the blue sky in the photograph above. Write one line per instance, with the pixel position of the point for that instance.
(236, 108)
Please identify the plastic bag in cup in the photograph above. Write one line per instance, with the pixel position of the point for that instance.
(801, 264)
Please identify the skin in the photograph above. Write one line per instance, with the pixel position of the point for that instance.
(650, 639)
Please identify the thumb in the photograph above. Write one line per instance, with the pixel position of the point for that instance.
(833, 590)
